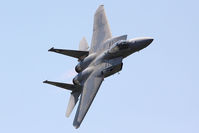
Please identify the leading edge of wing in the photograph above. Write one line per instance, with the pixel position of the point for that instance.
(90, 89)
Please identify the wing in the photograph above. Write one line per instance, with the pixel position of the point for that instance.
(90, 89)
(101, 30)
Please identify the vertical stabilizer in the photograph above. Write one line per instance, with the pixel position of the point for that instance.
(83, 45)
(72, 102)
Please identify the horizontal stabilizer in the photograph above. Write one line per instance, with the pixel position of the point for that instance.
(63, 85)
(73, 53)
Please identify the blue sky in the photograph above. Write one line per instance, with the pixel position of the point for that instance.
(157, 90)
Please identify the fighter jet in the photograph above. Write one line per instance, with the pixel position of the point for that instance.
(103, 59)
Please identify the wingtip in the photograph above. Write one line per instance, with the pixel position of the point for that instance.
(76, 125)
(51, 49)
(101, 7)
(45, 81)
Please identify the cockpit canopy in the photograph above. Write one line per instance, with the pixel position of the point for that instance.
(122, 44)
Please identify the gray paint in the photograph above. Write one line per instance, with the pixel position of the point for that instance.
(102, 60)
(83, 45)
(101, 30)
(74, 97)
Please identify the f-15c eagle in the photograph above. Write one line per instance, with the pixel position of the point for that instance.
(103, 59)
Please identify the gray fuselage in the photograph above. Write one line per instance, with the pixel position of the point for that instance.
(111, 58)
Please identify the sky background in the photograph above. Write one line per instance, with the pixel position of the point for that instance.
(157, 90)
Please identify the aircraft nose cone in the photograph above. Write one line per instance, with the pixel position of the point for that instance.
(149, 40)
(146, 41)
(140, 43)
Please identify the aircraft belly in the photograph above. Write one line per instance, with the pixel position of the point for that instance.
(112, 66)
(112, 70)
